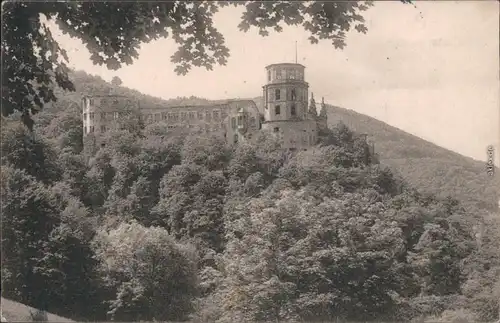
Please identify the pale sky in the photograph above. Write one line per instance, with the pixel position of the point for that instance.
(431, 70)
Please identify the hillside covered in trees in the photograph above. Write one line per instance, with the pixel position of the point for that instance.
(160, 225)
(430, 168)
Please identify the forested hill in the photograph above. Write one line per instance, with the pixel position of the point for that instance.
(427, 166)
(160, 225)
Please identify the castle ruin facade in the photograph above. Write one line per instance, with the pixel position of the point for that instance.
(285, 114)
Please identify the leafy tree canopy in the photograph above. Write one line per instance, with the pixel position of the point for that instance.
(33, 61)
(116, 81)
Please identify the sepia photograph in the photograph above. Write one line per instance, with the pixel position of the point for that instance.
(250, 161)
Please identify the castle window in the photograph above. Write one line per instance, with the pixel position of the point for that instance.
(191, 115)
(208, 116)
(84, 116)
(91, 115)
(277, 110)
(164, 116)
(294, 95)
(103, 128)
(293, 110)
(252, 122)
(91, 129)
(269, 75)
(216, 115)
(200, 115)
(91, 101)
(233, 122)
(292, 74)
(235, 138)
(277, 94)
(276, 129)
(278, 73)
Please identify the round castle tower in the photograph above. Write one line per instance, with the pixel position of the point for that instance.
(286, 106)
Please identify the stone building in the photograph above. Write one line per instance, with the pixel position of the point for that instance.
(285, 114)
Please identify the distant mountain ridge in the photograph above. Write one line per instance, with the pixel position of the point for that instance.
(426, 166)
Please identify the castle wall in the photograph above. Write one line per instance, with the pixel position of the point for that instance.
(236, 120)
(286, 113)
(294, 135)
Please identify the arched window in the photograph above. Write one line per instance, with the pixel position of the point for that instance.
(293, 111)
(294, 95)
(233, 122)
(277, 94)
(277, 110)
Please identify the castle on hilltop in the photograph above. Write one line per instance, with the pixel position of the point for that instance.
(285, 113)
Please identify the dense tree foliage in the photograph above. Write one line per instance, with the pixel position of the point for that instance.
(33, 62)
(425, 165)
(159, 225)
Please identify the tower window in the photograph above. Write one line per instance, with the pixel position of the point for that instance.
(235, 138)
(233, 122)
(278, 74)
(293, 111)
(277, 110)
(91, 129)
(91, 115)
(103, 128)
(277, 94)
(269, 75)
(294, 95)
